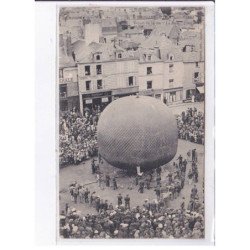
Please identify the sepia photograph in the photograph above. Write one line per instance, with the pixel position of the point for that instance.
(131, 122)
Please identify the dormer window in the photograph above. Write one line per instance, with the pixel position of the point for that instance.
(119, 55)
(149, 58)
(98, 57)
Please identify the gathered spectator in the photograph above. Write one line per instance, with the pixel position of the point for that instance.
(191, 126)
(77, 134)
(153, 220)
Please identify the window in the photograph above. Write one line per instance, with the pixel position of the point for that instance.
(196, 75)
(87, 70)
(149, 84)
(98, 69)
(88, 85)
(149, 57)
(171, 67)
(98, 57)
(171, 82)
(119, 55)
(149, 70)
(171, 58)
(99, 84)
(197, 65)
(131, 81)
(63, 90)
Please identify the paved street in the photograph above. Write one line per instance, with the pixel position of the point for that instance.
(82, 174)
(177, 109)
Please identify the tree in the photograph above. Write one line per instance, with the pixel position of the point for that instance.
(166, 11)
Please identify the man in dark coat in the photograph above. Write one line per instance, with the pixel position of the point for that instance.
(107, 180)
(127, 202)
(141, 187)
(93, 167)
(194, 155)
(119, 197)
(114, 184)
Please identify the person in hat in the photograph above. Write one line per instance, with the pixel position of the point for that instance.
(107, 180)
(194, 192)
(92, 196)
(93, 167)
(141, 187)
(114, 184)
(136, 180)
(127, 202)
(97, 203)
(119, 197)
(146, 205)
(158, 180)
(66, 208)
(194, 158)
(183, 204)
(147, 183)
(105, 205)
(158, 171)
(190, 177)
(110, 207)
(75, 194)
(86, 195)
(180, 160)
(158, 192)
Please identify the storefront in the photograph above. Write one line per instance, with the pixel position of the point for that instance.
(173, 95)
(93, 100)
(147, 92)
(200, 93)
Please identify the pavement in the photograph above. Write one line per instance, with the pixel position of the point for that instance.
(82, 173)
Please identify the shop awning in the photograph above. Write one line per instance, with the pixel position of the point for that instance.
(201, 89)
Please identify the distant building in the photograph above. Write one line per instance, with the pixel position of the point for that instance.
(68, 82)
(116, 57)
(106, 72)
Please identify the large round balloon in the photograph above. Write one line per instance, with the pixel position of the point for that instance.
(137, 131)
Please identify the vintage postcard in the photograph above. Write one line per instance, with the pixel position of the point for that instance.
(131, 122)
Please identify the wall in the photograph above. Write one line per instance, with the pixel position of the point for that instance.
(92, 33)
(176, 75)
(114, 74)
(156, 77)
(189, 70)
(70, 73)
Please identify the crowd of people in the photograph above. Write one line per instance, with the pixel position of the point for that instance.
(154, 219)
(191, 126)
(77, 133)
(77, 136)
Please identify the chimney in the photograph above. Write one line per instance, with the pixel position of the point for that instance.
(157, 52)
(67, 44)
